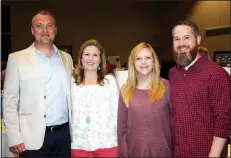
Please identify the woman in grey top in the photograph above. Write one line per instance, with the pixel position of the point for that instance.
(144, 104)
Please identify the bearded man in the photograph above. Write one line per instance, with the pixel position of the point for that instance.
(200, 95)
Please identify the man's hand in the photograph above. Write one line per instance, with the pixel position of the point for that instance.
(217, 146)
(18, 149)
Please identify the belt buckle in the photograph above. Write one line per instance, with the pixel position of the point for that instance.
(52, 129)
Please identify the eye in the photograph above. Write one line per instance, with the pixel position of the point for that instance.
(187, 37)
(138, 58)
(148, 57)
(176, 39)
(38, 25)
(85, 54)
(50, 25)
(96, 55)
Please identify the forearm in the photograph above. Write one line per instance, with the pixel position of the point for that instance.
(217, 146)
(122, 147)
(122, 129)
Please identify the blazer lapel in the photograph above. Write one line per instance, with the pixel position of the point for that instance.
(34, 63)
(64, 61)
(67, 72)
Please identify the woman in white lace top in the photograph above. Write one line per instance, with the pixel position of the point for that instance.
(94, 105)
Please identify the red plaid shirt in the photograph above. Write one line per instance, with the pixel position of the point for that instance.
(200, 107)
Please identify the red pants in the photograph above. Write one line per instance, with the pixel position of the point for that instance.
(105, 152)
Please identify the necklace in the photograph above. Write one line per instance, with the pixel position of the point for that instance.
(88, 119)
(88, 108)
(90, 101)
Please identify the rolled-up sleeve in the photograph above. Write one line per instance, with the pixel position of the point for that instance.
(220, 102)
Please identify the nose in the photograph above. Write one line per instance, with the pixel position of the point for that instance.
(143, 61)
(90, 57)
(44, 28)
(181, 42)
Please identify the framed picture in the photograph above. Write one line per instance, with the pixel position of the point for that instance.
(66, 48)
(223, 58)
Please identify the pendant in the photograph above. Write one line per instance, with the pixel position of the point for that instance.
(88, 120)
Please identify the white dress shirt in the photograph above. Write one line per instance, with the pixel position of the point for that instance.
(55, 82)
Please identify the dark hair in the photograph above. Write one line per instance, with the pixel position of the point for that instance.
(78, 73)
(192, 25)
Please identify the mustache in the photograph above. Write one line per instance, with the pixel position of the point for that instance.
(45, 34)
(179, 47)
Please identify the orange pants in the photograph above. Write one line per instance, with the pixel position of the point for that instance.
(104, 152)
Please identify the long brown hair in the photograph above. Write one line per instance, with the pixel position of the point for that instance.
(78, 73)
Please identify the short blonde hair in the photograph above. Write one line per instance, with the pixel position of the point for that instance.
(43, 12)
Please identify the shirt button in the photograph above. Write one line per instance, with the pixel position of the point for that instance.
(44, 97)
(44, 116)
(184, 74)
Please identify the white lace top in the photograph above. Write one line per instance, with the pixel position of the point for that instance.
(94, 112)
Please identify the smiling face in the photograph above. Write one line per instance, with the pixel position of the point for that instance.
(185, 45)
(144, 62)
(91, 58)
(44, 29)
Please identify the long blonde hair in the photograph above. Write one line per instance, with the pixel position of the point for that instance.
(78, 73)
(157, 87)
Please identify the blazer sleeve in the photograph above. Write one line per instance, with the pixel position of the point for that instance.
(11, 102)
(122, 128)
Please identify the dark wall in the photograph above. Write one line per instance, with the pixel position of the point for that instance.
(118, 25)
(5, 33)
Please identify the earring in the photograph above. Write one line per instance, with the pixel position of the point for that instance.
(81, 66)
(99, 68)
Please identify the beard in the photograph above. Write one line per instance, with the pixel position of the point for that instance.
(185, 58)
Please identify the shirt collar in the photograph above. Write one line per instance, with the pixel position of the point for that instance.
(39, 52)
(199, 64)
(193, 62)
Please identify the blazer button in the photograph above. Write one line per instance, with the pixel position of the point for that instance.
(44, 97)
